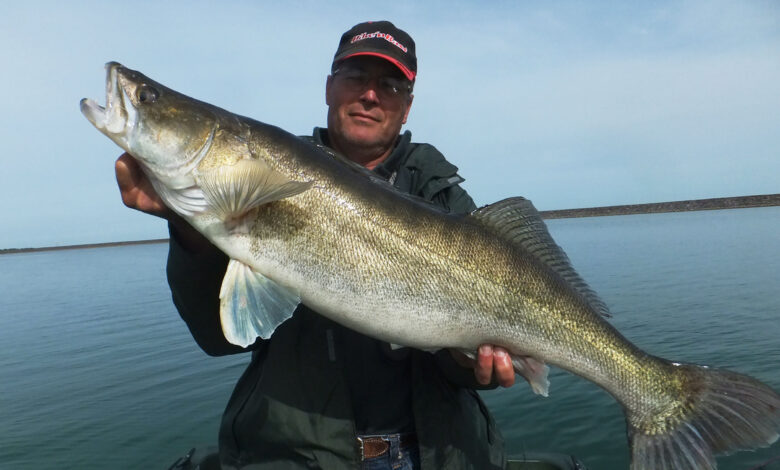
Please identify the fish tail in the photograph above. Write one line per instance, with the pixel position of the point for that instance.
(725, 412)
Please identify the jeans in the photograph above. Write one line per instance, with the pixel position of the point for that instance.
(396, 458)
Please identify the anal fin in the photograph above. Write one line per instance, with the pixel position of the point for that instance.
(534, 371)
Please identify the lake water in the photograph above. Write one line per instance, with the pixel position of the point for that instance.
(97, 370)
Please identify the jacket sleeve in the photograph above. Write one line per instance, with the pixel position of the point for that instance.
(436, 180)
(456, 199)
(195, 281)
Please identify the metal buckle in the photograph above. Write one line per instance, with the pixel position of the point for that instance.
(360, 440)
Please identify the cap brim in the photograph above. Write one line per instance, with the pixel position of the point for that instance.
(408, 73)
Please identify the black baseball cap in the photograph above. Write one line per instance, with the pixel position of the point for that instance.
(379, 39)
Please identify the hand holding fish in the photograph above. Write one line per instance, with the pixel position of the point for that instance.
(492, 363)
(136, 190)
(139, 194)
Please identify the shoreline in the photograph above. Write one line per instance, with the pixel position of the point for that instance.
(738, 202)
(8, 251)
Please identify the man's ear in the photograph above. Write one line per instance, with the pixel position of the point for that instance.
(408, 108)
(328, 85)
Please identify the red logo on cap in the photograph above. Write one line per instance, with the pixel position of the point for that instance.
(377, 34)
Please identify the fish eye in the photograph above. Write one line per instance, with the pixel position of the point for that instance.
(147, 94)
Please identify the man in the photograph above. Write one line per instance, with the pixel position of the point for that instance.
(318, 395)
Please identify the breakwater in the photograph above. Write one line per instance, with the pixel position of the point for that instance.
(84, 246)
(739, 202)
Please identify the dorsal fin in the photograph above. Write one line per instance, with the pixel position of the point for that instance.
(517, 221)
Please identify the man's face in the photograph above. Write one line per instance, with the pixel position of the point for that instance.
(368, 101)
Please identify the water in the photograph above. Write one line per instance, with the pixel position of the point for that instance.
(97, 370)
(698, 287)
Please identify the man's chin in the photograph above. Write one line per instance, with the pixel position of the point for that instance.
(363, 139)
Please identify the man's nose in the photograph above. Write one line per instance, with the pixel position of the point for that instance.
(369, 94)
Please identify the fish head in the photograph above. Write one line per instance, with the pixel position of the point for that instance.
(166, 131)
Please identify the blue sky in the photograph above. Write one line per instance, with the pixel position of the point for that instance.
(570, 104)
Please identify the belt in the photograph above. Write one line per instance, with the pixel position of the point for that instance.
(376, 446)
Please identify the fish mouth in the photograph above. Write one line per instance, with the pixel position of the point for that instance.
(118, 116)
(124, 123)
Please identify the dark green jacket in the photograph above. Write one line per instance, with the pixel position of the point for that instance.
(292, 407)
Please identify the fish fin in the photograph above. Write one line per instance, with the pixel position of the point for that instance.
(534, 371)
(728, 412)
(252, 305)
(517, 221)
(233, 190)
(186, 199)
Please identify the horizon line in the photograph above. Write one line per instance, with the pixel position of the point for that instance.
(690, 205)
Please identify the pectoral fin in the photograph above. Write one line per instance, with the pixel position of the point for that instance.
(233, 190)
(252, 305)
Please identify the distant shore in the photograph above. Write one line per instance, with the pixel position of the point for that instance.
(739, 202)
(8, 251)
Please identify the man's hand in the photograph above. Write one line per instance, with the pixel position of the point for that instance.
(139, 194)
(492, 361)
(136, 190)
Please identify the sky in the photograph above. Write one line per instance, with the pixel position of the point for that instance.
(567, 103)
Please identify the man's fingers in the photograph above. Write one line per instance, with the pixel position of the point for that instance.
(136, 190)
(483, 370)
(502, 367)
(128, 173)
(494, 362)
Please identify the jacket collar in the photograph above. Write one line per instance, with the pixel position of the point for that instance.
(391, 164)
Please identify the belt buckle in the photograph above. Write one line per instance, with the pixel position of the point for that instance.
(362, 454)
(371, 439)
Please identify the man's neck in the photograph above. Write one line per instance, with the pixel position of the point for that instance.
(369, 157)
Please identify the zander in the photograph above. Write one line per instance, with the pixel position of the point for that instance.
(301, 224)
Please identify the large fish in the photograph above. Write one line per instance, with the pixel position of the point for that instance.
(301, 224)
